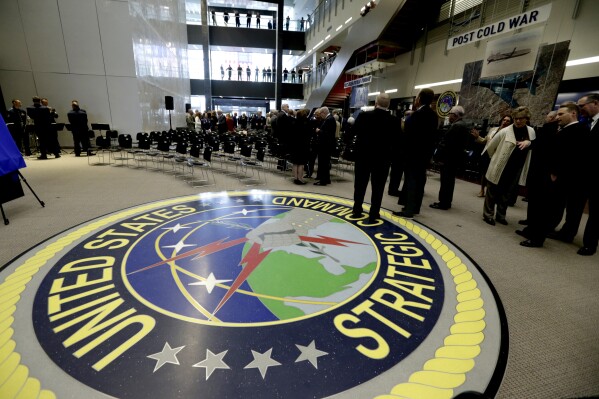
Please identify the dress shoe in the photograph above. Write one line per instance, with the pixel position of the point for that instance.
(320, 184)
(298, 181)
(77, 155)
(523, 233)
(438, 205)
(523, 222)
(481, 194)
(42, 157)
(57, 156)
(531, 244)
(586, 251)
(89, 154)
(404, 215)
(393, 193)
(489, 221)
(501, 221)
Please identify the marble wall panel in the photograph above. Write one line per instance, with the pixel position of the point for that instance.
(13, 51)
(115, 32)
(43, 33)
(82, 36)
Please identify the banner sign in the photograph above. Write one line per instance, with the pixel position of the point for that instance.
(510, 24)
(357, 82)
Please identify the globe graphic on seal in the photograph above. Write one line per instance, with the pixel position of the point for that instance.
(250, 265)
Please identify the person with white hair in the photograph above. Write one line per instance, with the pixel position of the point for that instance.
(375, 130)
(450, 155)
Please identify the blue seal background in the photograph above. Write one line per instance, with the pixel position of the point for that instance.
(131, 375)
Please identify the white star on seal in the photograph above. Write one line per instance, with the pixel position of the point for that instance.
(176, 228)
(239, 200)
(213, 362)
(210, 282)
(179, 246)
(168, 355)
(244, 212)
(262, 361)
(310, 353)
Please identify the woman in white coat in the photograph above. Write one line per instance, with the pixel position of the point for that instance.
(484, 157)
(510, 159)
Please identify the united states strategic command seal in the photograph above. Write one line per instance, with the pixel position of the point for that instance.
(257, 294)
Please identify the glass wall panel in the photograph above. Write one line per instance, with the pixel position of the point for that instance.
(220, 61)
(195, 57)
(159, 34)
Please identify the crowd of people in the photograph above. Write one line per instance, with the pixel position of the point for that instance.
(268, 74)
(38, 121)
(552, 162)
(301, 25)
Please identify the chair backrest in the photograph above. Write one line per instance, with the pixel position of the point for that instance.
(208, 153)
(102, 142)
(246, 151)
(194, 151)
(229, 147)
(125, 141)
(143, 143)
(260, 155)
(164, 144)
(181, 147)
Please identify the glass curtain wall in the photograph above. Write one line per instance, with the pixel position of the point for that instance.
(160, 50)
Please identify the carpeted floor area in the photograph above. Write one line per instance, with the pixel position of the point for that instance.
(549, 294)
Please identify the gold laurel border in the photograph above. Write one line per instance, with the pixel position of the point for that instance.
(447, 370)
(436, 381)
(15, 381)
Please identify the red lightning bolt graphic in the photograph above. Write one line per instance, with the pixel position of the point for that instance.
(252, 259)
(201, 251)
(328, 240)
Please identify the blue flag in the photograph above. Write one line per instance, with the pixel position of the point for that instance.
(10, 156)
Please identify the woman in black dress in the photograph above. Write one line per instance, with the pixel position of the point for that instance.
(300, 144)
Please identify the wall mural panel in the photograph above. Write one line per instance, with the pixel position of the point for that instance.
(492, 97)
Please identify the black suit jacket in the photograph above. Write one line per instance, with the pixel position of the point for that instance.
(78, 121)
(376, 136)
(570, 153)
(40, 116)
(326, 135)
(420, 131)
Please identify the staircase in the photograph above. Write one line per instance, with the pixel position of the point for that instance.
(338, 95)
(398, 22)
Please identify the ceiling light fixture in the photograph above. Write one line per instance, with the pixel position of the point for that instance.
(582, 61)
(447, 82)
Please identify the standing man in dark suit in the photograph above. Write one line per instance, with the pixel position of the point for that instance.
(589, 107)
(539, 184)
(17, 119)
(450, 155)
(79, 129)
(420, 130)
(53, 145)
(326, 143)
(569, 173)
(375, 135)
(41, 120)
